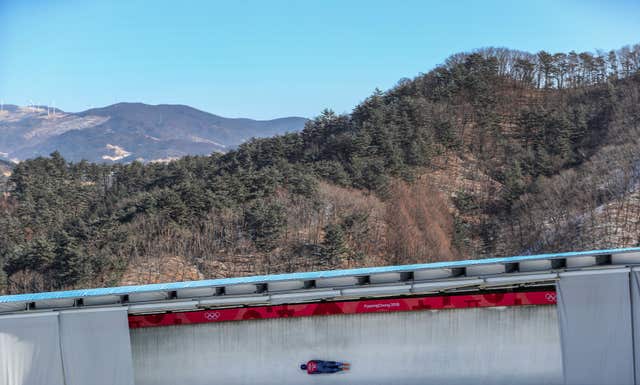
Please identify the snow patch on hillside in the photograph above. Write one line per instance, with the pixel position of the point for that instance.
(165, 160)
(118, 153)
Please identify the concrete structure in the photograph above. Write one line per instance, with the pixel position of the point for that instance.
(469, 346)
(492, 321)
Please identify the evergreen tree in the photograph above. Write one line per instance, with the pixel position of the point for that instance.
(514, 184)
(69, 265)
(265, 223)
(334, 245)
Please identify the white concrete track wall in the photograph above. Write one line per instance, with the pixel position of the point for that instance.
(515, 345)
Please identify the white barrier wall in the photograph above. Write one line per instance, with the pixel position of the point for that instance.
(635, 317)
(89, 347)
(595, 322)
(30, 350)
(96, 348)
(515, 345)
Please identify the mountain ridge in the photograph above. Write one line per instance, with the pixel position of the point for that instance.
(144, 132)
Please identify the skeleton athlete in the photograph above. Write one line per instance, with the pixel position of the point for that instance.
(322, 367)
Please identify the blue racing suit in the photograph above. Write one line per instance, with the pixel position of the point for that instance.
(319, 367)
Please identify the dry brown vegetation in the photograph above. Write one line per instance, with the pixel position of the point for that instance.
(419, 225)
(413, 225)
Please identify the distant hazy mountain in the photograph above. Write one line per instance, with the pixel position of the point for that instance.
(125, 132)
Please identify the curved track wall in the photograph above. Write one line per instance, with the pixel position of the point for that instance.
(513, 345)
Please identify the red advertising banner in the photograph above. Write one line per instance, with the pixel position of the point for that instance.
(345, 307)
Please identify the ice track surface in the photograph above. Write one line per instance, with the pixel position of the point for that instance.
(514, 345)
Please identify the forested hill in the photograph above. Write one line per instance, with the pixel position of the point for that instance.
(5, 171)
(495, 152)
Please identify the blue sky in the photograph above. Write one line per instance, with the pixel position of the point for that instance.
(271, 58)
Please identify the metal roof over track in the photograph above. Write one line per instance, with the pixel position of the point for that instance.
(328, 285)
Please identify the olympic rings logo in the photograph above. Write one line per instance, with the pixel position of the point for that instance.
(550, 297)
(212, 315)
